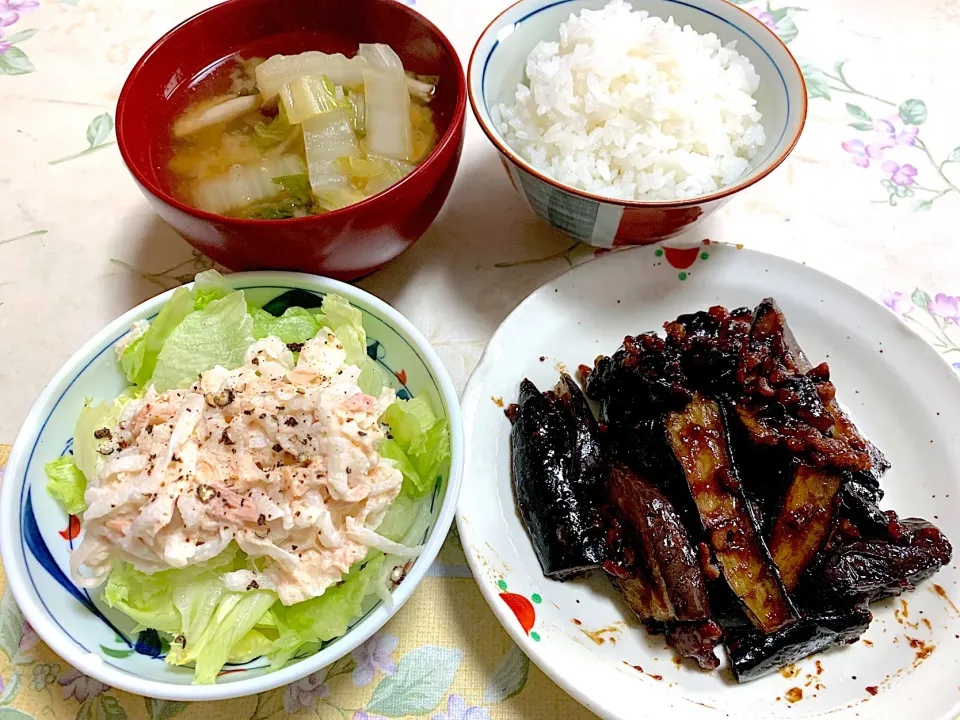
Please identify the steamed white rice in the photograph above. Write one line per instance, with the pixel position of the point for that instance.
(633, 107)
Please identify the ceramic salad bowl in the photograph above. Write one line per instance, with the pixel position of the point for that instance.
(38, 535)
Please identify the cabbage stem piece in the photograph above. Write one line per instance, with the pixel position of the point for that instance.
(380, 56)
(244, 185)
(280, 70)
(309, 96)
(389, 131)
(222, 112)
(326, 139)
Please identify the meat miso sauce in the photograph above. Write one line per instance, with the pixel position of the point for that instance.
(722, 490)
(300, 135)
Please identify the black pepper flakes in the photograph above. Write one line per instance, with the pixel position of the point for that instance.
(361, 433)
(294, 347)
(253, 585)
(149, 429)
(262, 520)
(182, 640)
(291, 422)
(225, 438)
(277, 447)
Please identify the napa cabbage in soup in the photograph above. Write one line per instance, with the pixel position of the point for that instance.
(299, 135)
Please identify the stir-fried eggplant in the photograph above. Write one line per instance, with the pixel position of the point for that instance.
(753, 654)
(562, 520)
(664, 544)
(648, 600)
(696, 640)
(741, 504)
(878, 569)
(698, 439)
(804, 522)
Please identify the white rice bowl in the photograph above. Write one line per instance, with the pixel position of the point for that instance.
(634, 107)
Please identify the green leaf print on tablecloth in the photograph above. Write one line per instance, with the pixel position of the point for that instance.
(104, 707)
(422, 679)
(163, 709)
(98, 131)
(10, 689)
(7, 713)
(509, 678)
(11, 626)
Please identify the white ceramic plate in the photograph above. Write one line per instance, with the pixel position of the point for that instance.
(903, 396)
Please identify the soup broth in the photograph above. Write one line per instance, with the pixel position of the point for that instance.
(300, 135)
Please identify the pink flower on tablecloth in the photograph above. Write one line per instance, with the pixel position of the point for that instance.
(902, 175)
(4, 46)
(457, 709)
(374, 655)
(897, 301)
(945, 306)
(29, 640)
(863, 154)
(22, 7)
(895, 131)
(80, 687)
(11, 10)
(361, 715)
(304, 693)
(764, 17)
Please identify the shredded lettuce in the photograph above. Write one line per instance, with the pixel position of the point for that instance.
(93, 418)
(207, 287)
(217, 335)
(209, 625)
(140, 357)
(328, 616)
(420, 444)
(66, 483)
(346, 321)
(399, 518)
(296, 325)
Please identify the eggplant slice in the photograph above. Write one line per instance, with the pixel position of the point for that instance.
(663, 548)
(698, 439)
(753, 654)
(551, 489)
(878, 569)
(804, 523)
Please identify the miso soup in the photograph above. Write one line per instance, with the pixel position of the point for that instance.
(299, 135)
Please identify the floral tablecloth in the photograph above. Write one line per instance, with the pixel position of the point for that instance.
(871, 195)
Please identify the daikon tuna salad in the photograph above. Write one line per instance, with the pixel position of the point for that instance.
(255, 484)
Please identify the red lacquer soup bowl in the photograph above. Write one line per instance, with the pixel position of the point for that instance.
(346, 243)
